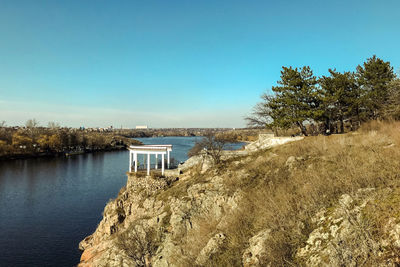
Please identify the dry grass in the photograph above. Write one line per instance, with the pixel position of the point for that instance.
(283, 189)
(284, 197)
(238, 232)
(196, 238)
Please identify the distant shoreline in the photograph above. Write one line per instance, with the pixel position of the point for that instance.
(56, 154)
(37, 142)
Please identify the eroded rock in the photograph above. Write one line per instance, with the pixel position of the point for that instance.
(255, 254)
(213, 246)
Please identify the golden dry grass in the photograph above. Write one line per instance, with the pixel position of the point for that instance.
(284, 196)
(283, 188)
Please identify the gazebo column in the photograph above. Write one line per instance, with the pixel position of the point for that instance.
(135, 159)
(148, 163)
(162, 164)
(130, 161)
(156, 161)
(168, 159)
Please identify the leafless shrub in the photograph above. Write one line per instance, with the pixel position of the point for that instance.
(139, 244)
(212, 145)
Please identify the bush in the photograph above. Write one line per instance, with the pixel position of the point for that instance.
(139, 244)
(212, 145)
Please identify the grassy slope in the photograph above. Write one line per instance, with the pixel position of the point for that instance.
(285, 187)
(284, 196)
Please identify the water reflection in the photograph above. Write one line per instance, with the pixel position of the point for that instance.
(48, 205)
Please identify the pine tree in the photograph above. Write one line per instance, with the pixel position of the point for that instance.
(392, 109)
(296, 99)
(339, 94)
(299, 98)
(373, 78)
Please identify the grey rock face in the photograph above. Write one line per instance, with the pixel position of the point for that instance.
(254, 255)
(213, 246)
(342, 236)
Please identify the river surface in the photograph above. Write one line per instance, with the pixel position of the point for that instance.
(48, 205)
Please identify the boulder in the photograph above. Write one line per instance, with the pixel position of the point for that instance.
(266, 141)
(213, 246)
(255, 254)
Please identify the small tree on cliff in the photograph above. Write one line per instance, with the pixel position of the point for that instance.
(295, 101)
(211, 145)
(262, 114)
(140, 244)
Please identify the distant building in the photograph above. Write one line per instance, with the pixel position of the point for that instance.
(141, 127)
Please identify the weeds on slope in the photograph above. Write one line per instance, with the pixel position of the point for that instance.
(291, 183)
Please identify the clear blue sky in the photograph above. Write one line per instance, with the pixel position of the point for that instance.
(174, 63)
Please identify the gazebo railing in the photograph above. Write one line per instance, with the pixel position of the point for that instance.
(173, 165)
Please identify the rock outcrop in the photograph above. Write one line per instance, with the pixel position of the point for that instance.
(254, 255)
(175, 216)
(178, 211)
(343, 235)
(269, 140)
(213, 246)
(185, 219)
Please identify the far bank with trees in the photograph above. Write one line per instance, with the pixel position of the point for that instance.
(35, 141)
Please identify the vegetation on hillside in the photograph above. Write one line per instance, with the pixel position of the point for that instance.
(278, 195)
(284, 188)
(325, 104)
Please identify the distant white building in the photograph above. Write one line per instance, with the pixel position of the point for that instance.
(141, 127)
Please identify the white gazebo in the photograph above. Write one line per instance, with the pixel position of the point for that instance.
(149, 150)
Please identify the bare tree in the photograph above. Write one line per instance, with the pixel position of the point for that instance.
(2, 123)
(211, 145)
(53, 125)
(33, 130)
(32, 123)
(261, 114)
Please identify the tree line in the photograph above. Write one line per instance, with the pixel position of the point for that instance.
(330, 103)
(33, 140)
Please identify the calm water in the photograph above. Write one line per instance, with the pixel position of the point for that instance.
(48, 205)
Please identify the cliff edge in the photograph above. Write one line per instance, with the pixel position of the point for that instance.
(318, 201)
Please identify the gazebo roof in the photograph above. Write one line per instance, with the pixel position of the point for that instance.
(161, 148)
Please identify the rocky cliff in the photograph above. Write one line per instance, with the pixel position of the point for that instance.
(243, 213)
